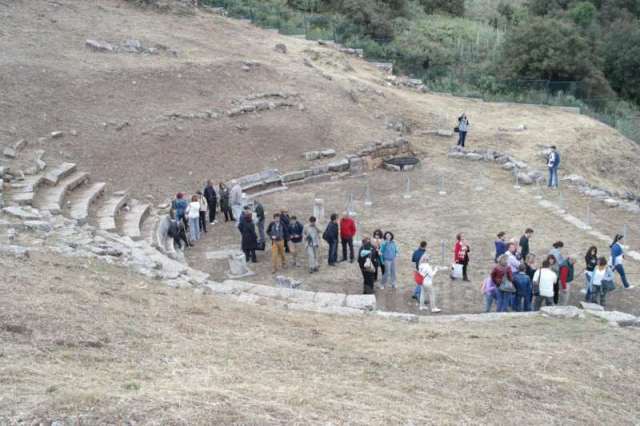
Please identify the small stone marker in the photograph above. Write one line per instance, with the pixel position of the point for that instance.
(318, 209)
(238, 266)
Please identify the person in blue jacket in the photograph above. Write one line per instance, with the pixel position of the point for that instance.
(617, 259)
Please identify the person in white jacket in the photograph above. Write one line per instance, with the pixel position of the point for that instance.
(544, 279)
(428, 272)
(193, 214)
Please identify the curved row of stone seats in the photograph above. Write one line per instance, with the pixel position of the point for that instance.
(52, 197)
(23, 192)
(53, 176)
(109, 210)
(84, 198)
(133, 219)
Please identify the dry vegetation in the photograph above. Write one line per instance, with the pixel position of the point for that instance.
(118, 349)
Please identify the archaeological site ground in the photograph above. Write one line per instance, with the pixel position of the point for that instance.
(108, 109)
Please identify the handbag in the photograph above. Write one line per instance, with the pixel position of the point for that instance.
(456, 271)
(456, 129)
(417, 276)
(507, 286)
(368, 265)
(608, 285)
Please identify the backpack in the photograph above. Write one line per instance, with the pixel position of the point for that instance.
(173, 229)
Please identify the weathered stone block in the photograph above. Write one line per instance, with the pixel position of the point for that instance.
(562, 311)
(361, 301)
(341, 165)
(591, 306)
(615, 317)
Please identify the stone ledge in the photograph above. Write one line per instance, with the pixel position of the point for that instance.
(616, 318)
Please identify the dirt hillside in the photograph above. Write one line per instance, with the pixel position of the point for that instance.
(119, 103)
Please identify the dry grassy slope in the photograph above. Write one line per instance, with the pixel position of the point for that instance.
(124, 350)
(51, 81)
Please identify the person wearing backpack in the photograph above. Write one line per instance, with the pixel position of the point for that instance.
(368, 261)
(566, 278)
(331, 235)
(311, 235)
(601, 282)
(427, 273)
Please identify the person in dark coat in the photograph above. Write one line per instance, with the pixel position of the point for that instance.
(249, 236)
(212, 200)
(368, 251)
(286, 222)
(225, 206)
(330, 235)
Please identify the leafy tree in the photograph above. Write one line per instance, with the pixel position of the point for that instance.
(583, 13)
(546, 48)
(621, 51)
(547, 7)
(451, 7)
(506, 11)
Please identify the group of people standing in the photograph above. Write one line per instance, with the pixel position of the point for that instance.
(520, 281)
(191, 215)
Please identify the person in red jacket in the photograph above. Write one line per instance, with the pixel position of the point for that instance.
(347, 232)
(461, 255)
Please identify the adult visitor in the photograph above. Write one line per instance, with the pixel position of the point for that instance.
(566, 278)
(415, 259)
(617, 259)
(347, 232)
(463, 128)
(193, 215)
(212, 201)
(522, 282)
(524, 243)
(590, 263)
(331, 235)
(225, 205)
(502, 277)
(368, 261)
(461, 252)
(249, 242)
(500, 244)
(428, 273)
(389, 252)
(312, 244)
(601, 282)
(544, 280)
(295, 239)
(553, 162)
(276, 234)
(204, 207)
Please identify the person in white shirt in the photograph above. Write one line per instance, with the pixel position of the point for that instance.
(193, 215)
(428, 272)
(512, 260)
(601, 279)
(544, 279)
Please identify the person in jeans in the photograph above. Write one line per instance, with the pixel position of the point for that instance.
(428, 273)
(590, 261)
(463, 128)
(499, 274)
(415, 259)
(276, 234)
(553, 162)
(212, 201)
(330, 235)
(347, 232)
(522, 282)
(617, 259)
(249, 238)
(204, 206)
(389, 252)
(179, 207)
(602, 275)
(193, 215)
(566, 278)
(544, 279)
(369, 277)
(311, 235)
(295, 239)
(489, 292)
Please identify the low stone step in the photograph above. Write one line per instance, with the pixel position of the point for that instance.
(53, 196)
(79, 209)
(60, 172)
(23, 192)
(106, 214)
(133, 218)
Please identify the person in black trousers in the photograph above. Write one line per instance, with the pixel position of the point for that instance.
(330, 235)
(212, 200)
(368, 251)
(249, 237)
